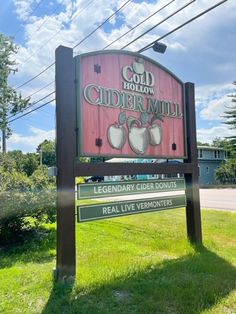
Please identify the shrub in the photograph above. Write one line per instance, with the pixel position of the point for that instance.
(25, 202)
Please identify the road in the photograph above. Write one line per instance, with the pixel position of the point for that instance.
(218, 198)
(210, 198)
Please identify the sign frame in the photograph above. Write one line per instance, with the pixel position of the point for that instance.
(69, 167)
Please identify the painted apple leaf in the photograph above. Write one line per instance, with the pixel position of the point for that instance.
(157, 117)
(122, 118)
(144, 117)
(131, 121)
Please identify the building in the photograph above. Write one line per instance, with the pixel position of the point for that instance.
(209, 160)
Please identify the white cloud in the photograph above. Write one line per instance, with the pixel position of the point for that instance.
(199, 44)
(212, 100)
(215, 109)
(79, 18)
(206, 93)
(23, 8)
(29, 142)
(208, 135)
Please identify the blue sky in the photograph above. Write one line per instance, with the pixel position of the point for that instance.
(202, 52)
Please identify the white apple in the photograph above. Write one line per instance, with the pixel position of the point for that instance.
(116, 135)
(138, 67)
(155, 133)
(138, 139)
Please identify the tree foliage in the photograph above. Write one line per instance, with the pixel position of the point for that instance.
(230, 119)
(10, 101)
(48, 150)
(226, 173)
(27, 194)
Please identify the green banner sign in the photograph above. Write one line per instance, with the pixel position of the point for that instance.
(116, 209)
(98, 190)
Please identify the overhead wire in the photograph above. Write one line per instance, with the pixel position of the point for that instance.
(87, 36)
(182, 25)
(39, 90)
(106, 20)
(159, 23)
(32, 104)
(53, 36)
(141, 50)
(34, 77)
(25, 114)
(45, 21)
(134, 27)
(33, 11)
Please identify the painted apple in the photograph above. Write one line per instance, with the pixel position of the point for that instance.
(116, 135)
(138, 67)
(155, 134)
(138, 139)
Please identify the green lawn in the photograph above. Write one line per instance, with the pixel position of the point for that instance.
(134, 264)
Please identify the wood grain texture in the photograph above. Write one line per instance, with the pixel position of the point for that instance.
(96, 119)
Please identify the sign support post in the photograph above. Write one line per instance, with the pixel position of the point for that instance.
(193, 214)
(65, 152)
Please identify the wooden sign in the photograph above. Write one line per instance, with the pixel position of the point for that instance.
(128, 105)
(116, 209)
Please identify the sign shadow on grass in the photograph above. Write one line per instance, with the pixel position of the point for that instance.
(189, 284)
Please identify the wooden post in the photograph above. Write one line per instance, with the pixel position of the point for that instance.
(66, 151)
(193, 214)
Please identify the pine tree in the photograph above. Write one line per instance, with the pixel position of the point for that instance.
(230, 116)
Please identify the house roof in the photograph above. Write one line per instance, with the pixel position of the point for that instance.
(210, 147)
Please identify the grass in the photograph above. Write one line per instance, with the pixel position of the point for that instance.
(134, 264)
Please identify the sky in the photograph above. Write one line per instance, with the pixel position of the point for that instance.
(202, 52)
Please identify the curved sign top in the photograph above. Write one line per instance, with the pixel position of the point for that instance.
(128, 106)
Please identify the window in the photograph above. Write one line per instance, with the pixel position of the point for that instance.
(207, 170)
(199, 171)
(217, 154)
(199, 151)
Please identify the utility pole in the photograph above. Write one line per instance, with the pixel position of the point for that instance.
(4, 141)
(41, 157)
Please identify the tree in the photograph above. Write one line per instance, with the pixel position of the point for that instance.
(226, 173)
(10, 101)
(230, 116)
(202, 144)
(47, 150)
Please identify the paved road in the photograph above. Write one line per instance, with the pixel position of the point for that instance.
(218, 198)
(210, 198)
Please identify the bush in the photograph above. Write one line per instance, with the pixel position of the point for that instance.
(25, 202)
(226, 173)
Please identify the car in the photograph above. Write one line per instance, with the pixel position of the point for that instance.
(94, 179)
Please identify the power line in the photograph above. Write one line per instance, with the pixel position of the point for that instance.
(141, 50)
(34, 9)
(39, 90)
(54, 35)
(34, 103)
(147, 18)
(34, 77)
(25, 114)
(149, 45)
(106, 20)
(48, 67)
(182, 25)
(45, 21)
(159, 23)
